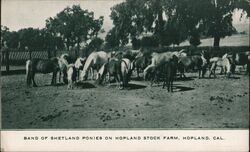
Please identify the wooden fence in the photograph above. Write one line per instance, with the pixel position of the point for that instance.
(19, 57)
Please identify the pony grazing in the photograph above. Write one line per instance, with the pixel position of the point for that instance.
(158, 59)
(140, 63)
(112, 68)
(44, 66)
(223, 62)
(192, 62)
(121, 70)
(95, 60)
(126, 69)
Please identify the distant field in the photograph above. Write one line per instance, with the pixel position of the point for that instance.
(234, 40)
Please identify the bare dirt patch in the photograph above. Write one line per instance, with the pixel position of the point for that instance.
(195, 103)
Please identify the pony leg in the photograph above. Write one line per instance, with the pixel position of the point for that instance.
(172, 81)
(28, 73)
(199, 73)
(214, 70)
(164, 82)
(248, 69)
(138, 73)
(59, 78)
(28, 78)
(33, 79)
(53, 82)
(117, 81)
(203, 71)
(152, 80)
(70, 85)
(168, 81)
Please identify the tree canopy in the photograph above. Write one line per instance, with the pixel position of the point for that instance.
(173, 21)
(74, 25)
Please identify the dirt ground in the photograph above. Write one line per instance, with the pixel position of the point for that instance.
(217, 103)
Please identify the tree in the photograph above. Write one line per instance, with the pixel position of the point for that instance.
(173, 21)
(31, 38)
(74, 25)
(112, 39)
(195, 38)
(10, 38)
(169, 21)
(94, 45)
(217, 20)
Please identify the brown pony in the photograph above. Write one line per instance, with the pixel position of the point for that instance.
(140, 64)
(190, 62)
(44, 66)
(170, 70)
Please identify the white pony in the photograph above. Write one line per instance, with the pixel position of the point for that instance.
(157, 60)
(71, 75)
(95, 60)
(79, 64)
(63, 63)
(223, 62)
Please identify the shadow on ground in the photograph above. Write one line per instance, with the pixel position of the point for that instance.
(85, 85)
(132, 86)
(13, 72)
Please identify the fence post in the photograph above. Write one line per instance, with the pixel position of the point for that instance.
(55, 50)
(29, 51)
(49, 55)
(7, 63)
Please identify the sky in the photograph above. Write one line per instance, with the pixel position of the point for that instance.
(17, 14)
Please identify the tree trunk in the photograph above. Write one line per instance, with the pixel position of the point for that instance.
(216, 41)
(160, 24)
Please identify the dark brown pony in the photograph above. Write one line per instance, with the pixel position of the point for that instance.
(192, 62)
(120, 69)
(241, 58)
(140, 64)
(113, 68)
(44, 66)
(170, 70)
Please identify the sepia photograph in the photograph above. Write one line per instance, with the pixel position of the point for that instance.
(125, 64)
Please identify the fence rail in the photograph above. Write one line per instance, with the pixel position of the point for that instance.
(19, 57)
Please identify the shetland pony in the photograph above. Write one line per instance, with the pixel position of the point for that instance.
(79, 64)
(71, 75)
(44, 66)
(241, 59)
(95, 60)
(190, 62)
(63, 61)
(139, 64)
(223, 62)
(158, 59)
(121, 70)
(170, 69)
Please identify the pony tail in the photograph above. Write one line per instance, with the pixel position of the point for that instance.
(28, 72)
